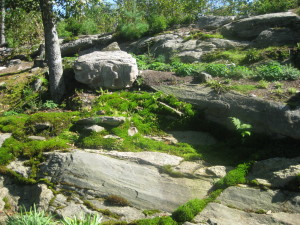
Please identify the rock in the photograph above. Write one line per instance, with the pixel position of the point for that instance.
(215, 213)
(142, 185)
(275, 172)
(2, 85)
(14, 62)
(3, 137)
(94, 128)
(263, 115)
(45, 197)
(275, 37)
(2, 68)
(132, 131)
(42, 126)
(168, 139)
(254, 200)
(149, 158)
(112, 47)
(103, 120)
(213, 22)
(203, 77)
(37, 84)
(250, 28)
(193, 137)
(111, 136)
(73, 210)
(213, 171)
(37, 138)
(112, 69)
(86, 42)
(20, 168)
(39, 60)
(189, 168)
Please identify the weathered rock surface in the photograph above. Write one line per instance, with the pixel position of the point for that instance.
(250, 28)
(19, 167)
(261, 114)
(109, 69)
(216, 213)
(142, 185)
(275, 172)
(3, 137)
(193, 137)
(213, 22)
(103, 120)
(86, 42)
(94, 128)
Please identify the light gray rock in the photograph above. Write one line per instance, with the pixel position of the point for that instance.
(189, 168)
(157, 159)
(250, 28)
(254, 200)
(14, 62)
(94, 128)
(204, 77)
(3, 137)
(213, 171)
(111, 69)
(2, 85)
(19, 167)
(112, 47)
(112, 136)
(273, 118)
(216, 213)
(73, 210)
(86, 42)
(142, 185)
(37, 85)
(275, 172)
(44, 198)
(132, 131)
(213, 22)
(37, 138)
(103, 120)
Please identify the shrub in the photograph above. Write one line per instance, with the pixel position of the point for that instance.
(182, 69)
(272, 6)
(88, 26)
(116, 200)
(133, 31)
(238, 72)
(217, 70)
(62, 29)
(290, 73)
(157, 23)
(252, 56)
(166, 220)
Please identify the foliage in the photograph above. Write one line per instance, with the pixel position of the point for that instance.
(234, 56)
(263, 84)
(202, 36)
(88, 219)
(242, 128)
(149, 212)
(217, 70)
(238, 72)
(218, 86)
(189, 210)
(272, 6)
(183, 69)
(234, 177)
(157, 23)
(33, 217)
(243, 88)
(49, 104)
(273, 71)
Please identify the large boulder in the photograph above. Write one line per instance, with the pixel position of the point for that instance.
(109, 69)
(250, 28)
(213, 22)
(84, 43)
(272, 118)
(141, 184)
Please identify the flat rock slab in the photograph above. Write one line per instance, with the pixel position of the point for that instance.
(150, 158)
(142, 185)
(275, 172)
(219, 214)
(253, 200)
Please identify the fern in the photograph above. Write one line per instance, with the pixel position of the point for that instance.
(242, 128)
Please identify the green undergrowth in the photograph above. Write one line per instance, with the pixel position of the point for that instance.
(200, 35)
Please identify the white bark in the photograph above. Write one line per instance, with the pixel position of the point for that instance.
(2, 28)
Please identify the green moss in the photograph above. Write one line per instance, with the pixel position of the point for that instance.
(234, 56)
(116, 200)
(150, 212)
(7, 204)
(200, 35)
(14, 124)
(157, 221)
(244, 88)
(17, 177)
(234, 177)
(189, 210)
(168, 170)
(105, 212)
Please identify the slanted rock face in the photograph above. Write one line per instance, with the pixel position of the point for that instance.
(142, 185)
(110, 69)
(250, 28)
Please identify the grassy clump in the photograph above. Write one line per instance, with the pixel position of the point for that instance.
(166, 220)
(200, 35)
(116, 200)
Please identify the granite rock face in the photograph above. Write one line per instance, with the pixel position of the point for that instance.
(142, 185)
(107, 69)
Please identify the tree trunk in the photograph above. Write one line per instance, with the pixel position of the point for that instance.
(2, 29)
(53, 54)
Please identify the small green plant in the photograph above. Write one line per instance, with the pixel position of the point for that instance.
(242, 128)
(89, 219)
(218, 86)
(239, 72)
(278, 85)
(49, 104)
(189, 210)
(168, 170)
(150, 212)
(33, 217)
(263, 84)
(292, 91)
(217, 70)
(252, 56)
(165, 220)
(10, 113)
(7, 204)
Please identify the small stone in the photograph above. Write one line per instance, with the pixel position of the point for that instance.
(112, 47)
(132, 131)
(42, 126)
(111, 136)
(100, 112)
(204, 77)
(37, 138)
(94, 128)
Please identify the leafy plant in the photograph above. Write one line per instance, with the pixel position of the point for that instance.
(33, 217)
(242, 128)
(263, 84)
(49, 104)
(292, 90)
(217, 70)
(89, 219)
(271, 71)
(157, 23)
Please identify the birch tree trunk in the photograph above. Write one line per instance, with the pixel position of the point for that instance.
(53, 54)
(2, 28)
